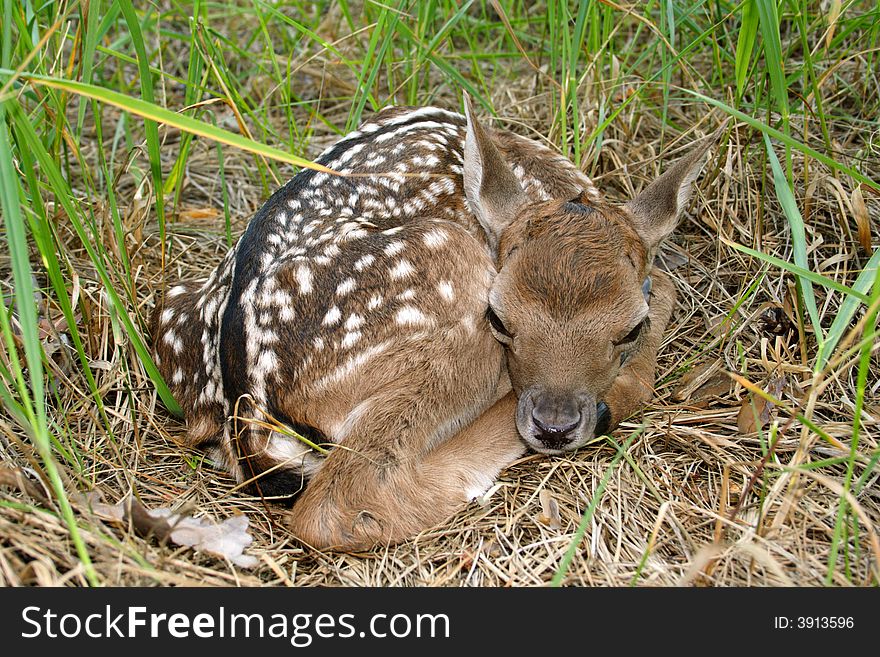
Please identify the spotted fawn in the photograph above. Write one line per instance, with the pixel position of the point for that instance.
(454, 297)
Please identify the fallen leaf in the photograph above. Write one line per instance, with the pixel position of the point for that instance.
(704, 381)
(670, 257)
(752, 417)
(549, 510)
(863, 221)
(198, 214)
(227, 538)
(775, 321)
(16, 478)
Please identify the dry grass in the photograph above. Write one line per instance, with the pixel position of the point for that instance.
(685, 505)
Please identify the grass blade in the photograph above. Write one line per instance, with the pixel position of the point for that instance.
(807, 274)
(847, 310)
(565, 563)
(748, 31)
(798, 238)
(51, 170)
(35, 408)
(161, 115)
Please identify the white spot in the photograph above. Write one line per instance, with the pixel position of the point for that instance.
(178, 376)
(352, 364)
(304, 279)
(409, 315)
(407, 295)
(375, 302)
(170, 337)
(351, 231)
(281, 298)
(267, 362)
(394, 248)
(436, 238)
(392, 231)
(402, 269)
(318, 343)
(332, 317)
(350, 338)
(412, 206)
(331, 250)
(286, 314)
(285, 448)
(364, 261)
(446, 290)
(167, 314)
(353, 322)
(177, 290)
(345, 286)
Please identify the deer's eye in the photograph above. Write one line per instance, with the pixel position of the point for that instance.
(633, 335)
(497, 325)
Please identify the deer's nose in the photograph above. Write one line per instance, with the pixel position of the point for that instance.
(554, 421)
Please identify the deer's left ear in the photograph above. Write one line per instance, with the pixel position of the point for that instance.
(656, 208)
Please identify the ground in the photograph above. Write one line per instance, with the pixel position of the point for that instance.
(692, 492)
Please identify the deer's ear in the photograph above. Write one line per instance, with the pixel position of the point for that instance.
(492, 190)
(656, 208)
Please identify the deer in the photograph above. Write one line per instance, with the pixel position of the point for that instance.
(383, 341)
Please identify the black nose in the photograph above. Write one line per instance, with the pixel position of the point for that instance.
(554, 425)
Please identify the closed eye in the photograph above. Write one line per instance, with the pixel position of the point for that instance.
(633, 335)
(497, 325)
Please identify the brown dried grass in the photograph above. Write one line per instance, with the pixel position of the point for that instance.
(667, 516)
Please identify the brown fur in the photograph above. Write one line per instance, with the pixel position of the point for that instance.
(422, 400)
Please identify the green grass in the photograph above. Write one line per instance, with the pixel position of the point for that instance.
(121, 74)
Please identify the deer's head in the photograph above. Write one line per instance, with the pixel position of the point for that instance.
(570, 301)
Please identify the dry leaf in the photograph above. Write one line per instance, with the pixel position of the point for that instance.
(704, 381)
(16, 478)
(199, 214)
(833, 15)
(863, 221)
(670, 257)
(755, 411)
(549, 510)
(775, 320)
(227, 538)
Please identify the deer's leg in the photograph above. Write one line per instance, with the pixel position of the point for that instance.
(386, 489)
(634, 385)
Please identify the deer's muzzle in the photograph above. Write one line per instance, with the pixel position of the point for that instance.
(554, 422)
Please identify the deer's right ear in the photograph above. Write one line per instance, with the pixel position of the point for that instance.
(492, 190)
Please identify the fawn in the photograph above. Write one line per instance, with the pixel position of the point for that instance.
(469, 295)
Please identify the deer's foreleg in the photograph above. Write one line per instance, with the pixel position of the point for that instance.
(386, 492)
